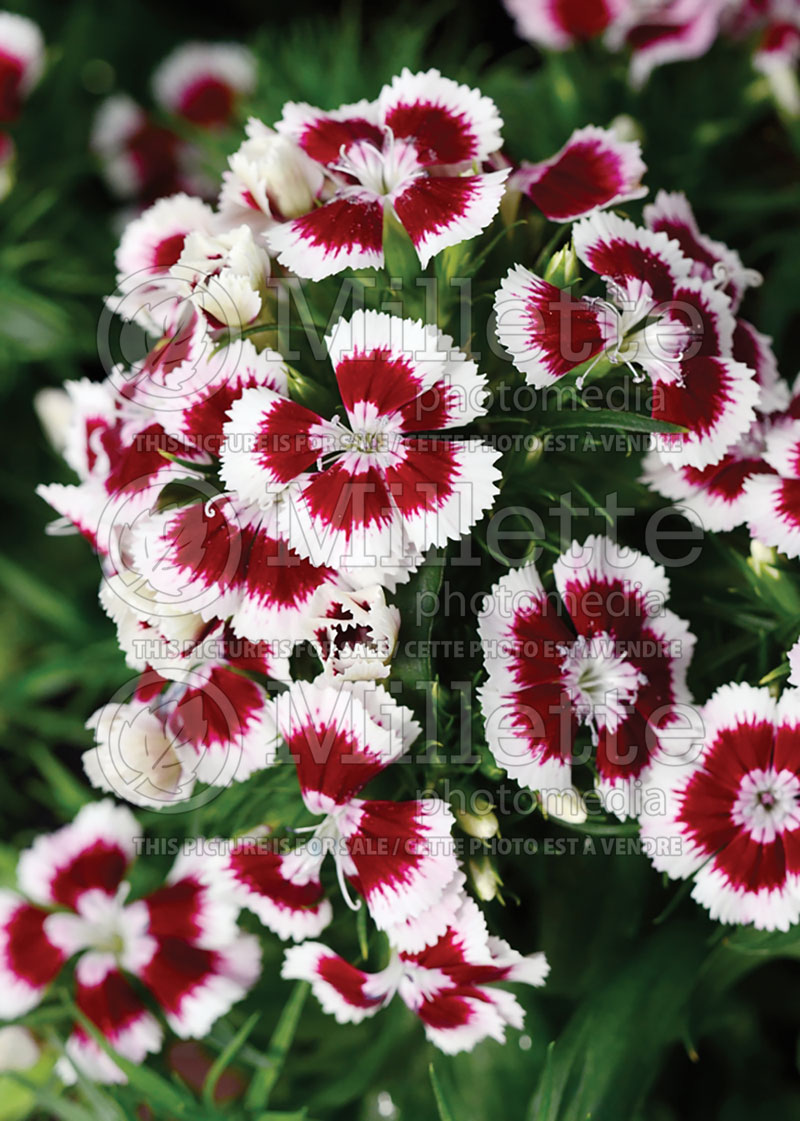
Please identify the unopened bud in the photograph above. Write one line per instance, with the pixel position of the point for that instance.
(565, 805)
(485, 879)
(480, 822)
(763, 559)
(563, 268)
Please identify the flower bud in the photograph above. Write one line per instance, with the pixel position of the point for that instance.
(480, 822)
(18, 1049)
(762, 559)
(563, 268)
(270, 174)
(485, 879)
(565, 805)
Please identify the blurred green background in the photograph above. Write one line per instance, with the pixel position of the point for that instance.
(648, 1025)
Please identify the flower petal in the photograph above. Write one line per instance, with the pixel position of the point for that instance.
(715, 400)
(546, 331)
(336, 742)
(672, 214)
(404, 856)
(195, 986)
(28, 959)
(323, 133)
(441, 211)
(448, 123)
(347, 993)
(92, 852)
(629, 257)
(259, 875)
(105, 996)
(346, 232)
(594, 170)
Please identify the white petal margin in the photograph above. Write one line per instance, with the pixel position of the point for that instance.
(740, 393)
(134, 1040)
(602, 229)
(412, 935)
(469, 216)
(476, 114)
(600, 560)
(50, 853)
(713, 511)
(310, 961)
(236, 969)
(231, 64)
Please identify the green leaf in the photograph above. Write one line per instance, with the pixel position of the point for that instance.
(417, 602)
(226, 1057)
(264, 1080)
(606, 1058)
(31, 594)
(442, 1104)
(401, 260)
(608, 418)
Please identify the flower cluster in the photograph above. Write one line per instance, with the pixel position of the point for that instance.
(663, 31)
(258, 502)
(21, 66)
(144, 155)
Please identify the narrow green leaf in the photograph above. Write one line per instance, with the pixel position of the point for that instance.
(401, 261)
(226, 1057)
(264, 1080)
(442, 1104)
(608, 418)
(30, 593)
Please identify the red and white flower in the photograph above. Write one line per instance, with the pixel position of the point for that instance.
(21, 62)
(773, 500)
(371, 497)
(558, 24)
(665, 31)
(139, 158)
(219, 558)
(412, 153)
(610, 656)
(678, 328)
(594, 170)
(671, 213)
(180, 942)
(399, 855)
(732, 810)
(150, 246)
(202, 82)
(214, 723)
(354, 632)
(449, 985)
